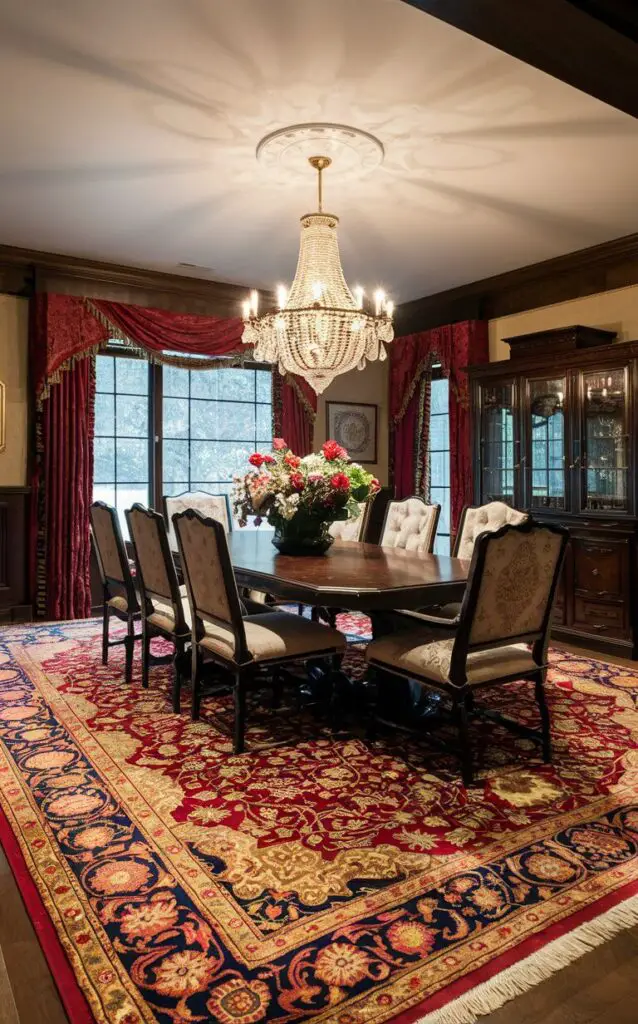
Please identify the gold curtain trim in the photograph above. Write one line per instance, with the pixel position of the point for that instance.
(423, 367)
(183, 362)
(56, 376)
(309, 411)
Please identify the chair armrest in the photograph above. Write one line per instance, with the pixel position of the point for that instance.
(430, 620)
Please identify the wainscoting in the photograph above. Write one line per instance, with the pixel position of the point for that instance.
(15, 604)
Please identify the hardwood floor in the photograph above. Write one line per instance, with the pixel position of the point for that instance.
(599, 988)
(28, 994)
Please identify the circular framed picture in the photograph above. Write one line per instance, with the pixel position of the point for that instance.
(354, 426)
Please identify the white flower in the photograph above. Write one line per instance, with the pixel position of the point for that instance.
(313, 462)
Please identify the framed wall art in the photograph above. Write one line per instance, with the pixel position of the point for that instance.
(354, 426)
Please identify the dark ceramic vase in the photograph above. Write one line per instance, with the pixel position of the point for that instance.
(308, 537)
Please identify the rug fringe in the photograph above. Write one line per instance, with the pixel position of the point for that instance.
(521, 977)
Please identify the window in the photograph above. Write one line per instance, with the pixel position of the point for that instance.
(440, 459)
(122, 435)
(212, 420)
(206, 424)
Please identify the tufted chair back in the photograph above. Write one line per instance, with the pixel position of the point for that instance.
(351, 529)
(410, 524)
(484, 519)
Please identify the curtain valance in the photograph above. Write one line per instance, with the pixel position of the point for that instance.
(65, 328)
(454, 346)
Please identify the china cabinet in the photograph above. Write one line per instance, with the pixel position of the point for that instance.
(555, 433)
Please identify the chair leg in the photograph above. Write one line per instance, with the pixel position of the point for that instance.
(196, 681)
(460, 716)
(177, 677)
(105, 633)
(539, 689)
(146, 655)
(240, 713)
(129, 646)
(372, 730)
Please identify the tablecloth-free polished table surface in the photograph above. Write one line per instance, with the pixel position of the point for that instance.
(359, 577)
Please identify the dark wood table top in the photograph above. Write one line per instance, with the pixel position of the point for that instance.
(361, 577)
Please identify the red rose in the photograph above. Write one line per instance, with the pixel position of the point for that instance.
(297, 481)
(292, 460)
(340, 482)
(375, 485)
(256, 459)
(268, 460)
(333, 451)
(279, 445)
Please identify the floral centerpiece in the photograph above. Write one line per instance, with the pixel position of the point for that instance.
(301, 497)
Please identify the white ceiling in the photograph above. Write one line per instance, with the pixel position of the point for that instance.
(128, 131)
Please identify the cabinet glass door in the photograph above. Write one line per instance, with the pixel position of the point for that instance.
(604, 459)
(546, 451)
(498, 443)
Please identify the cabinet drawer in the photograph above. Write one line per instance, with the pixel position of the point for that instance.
(600, 566)
(599, 617)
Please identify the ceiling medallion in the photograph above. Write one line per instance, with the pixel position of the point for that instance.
(287, 150)
(321, 329)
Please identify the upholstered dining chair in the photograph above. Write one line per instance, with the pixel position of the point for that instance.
(164, 605)
(410, 524)
(500, 635)
(475, 520)
(120, 597)
(215, 506)
(238, 645)
(353, 529)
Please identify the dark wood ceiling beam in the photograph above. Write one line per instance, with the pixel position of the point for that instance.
(599, 268)
(23, 271)
(587, 44)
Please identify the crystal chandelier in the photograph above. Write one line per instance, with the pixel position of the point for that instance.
(320, 328)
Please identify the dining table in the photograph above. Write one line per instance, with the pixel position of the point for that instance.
(354, 576)
(351, 575)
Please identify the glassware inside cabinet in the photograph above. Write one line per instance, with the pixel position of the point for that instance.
(547, 443)
(605, 462)
(498, 442)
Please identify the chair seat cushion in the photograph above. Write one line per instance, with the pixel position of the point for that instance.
(162, 615)
(424, 654)
(274, 636)
(119, 603)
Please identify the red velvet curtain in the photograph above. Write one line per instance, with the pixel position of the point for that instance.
(294, 408)
(64, 332)
(455, 346)
(159, 330)
(71, 327)
(64, 490)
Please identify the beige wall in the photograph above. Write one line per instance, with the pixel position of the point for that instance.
(613, 311)
(13, 371)
(369, 386)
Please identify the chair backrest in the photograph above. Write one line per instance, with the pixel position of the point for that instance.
(212, 506)
(510, 591)
(410, 524)
(154, 562)
(209, 577)
(110, 553)
(477, 519)
(352, 529)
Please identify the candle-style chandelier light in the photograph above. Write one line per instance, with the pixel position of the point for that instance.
(321, 329)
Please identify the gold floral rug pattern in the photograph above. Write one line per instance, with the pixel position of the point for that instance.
(325, 877)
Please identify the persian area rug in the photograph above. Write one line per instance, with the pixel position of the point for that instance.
(172, 883)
